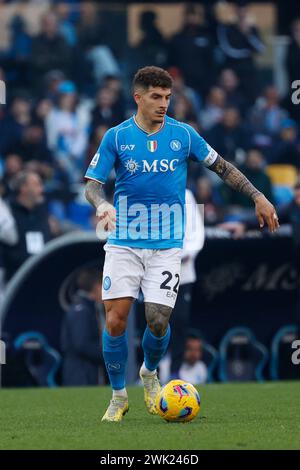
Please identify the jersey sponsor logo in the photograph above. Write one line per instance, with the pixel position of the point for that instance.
(132, 166)
(127, 147)
(152, 145)
(106, 283)
(159, 165)
(175, 145)
(95, 159)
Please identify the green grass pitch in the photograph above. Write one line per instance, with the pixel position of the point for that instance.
(232, 416)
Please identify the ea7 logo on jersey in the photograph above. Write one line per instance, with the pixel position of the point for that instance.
(95, 159)
(127, 147)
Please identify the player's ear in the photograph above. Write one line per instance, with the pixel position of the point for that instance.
(137, 97)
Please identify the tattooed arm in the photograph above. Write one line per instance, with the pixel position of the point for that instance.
(265, 211)
(104, 210)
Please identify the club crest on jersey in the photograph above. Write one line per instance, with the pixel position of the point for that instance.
(152, 145)
(175, 145)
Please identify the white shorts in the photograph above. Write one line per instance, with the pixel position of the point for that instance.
(155, 272)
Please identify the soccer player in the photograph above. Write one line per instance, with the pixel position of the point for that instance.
(149, 153)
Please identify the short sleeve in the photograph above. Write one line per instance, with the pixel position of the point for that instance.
(200, 150)
(104, 159)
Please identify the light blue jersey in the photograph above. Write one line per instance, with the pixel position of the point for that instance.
(151, 171)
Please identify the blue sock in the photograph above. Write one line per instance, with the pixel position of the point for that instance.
(154, 347)
(115, 352)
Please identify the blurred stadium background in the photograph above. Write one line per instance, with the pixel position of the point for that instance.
(67, 69)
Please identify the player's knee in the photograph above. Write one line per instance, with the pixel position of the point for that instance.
(115, 323)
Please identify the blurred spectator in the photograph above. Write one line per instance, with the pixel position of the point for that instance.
(193, 369)
(49, 51)
(67, 135)
(33, 145)
(52, 80)
(205, 195)
(180, 88)
(106, 112)
(13, 165)
(191, 50)
(114, 84)
(152, 49)
(239, 42)
(265, 117)
(14, 124)
(286, 148)
(213, 110)
(230, 83)
(31, 219)
(183, 109)
(293, 53)
(66, 26)
(253, 170)
(17, 57)
(80, 333)
(229, 135)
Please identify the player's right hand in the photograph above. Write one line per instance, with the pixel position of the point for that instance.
(107, 216)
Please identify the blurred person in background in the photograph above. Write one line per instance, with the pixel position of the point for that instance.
(17, 56)
(265, 117)
(152, 48)
(49, 51)
(239, 42)
(286, 146)
(13, 164)
(191, 50)
(230, 84)
(14, 123)
(229, 135)
(67, 134)
(293, 53)
(105, 111)
(182, 109)
(180, 88)
(192, 369)
(204, 192)
(31, 219)
(213, 110)
(81, 333)
(253, 169)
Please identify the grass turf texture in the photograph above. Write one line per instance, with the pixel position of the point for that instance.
(232, 416)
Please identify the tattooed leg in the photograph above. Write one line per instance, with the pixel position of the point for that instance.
(157, 317)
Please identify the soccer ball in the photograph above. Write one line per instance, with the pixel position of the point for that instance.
(178, 401)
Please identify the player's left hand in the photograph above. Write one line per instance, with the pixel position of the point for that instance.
(266, 213)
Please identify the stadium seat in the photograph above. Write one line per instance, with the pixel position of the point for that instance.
(282, 194)
(41, 360)
(281, 174)
(242, 357)
(281, 366)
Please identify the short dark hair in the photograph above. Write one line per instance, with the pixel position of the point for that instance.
(87, 278)
(152, 76)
